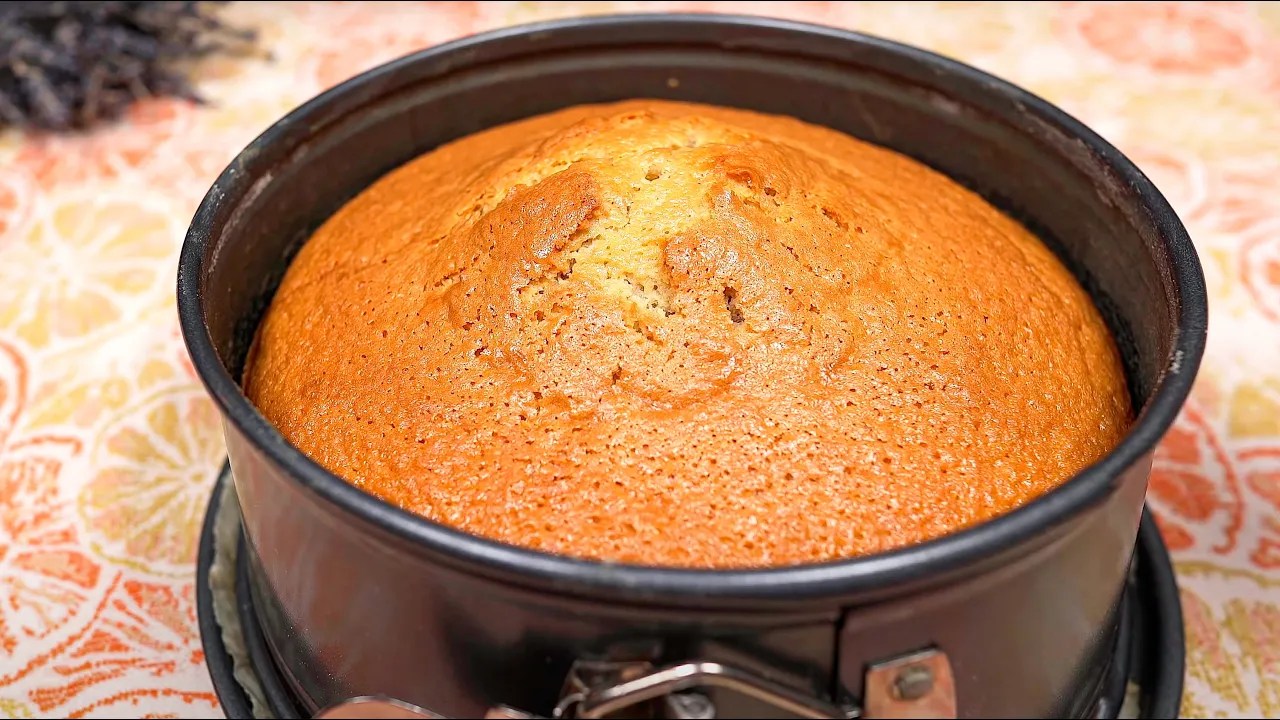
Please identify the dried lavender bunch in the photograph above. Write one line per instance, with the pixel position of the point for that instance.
(69, 65)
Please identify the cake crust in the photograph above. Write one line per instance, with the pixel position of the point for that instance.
(683, 335)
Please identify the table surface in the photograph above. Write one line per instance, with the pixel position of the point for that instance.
(109, 447)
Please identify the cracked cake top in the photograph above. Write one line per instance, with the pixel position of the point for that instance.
(674, 334)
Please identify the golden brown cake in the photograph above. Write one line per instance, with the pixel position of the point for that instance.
(674, 334)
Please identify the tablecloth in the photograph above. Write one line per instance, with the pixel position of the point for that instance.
(109, 447)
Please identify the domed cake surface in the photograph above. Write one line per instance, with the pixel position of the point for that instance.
(681, 335)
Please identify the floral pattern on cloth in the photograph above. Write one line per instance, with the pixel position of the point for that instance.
(109, 447)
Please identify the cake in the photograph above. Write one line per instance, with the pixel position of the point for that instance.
(680, 335)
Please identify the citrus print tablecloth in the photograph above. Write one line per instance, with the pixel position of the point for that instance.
(109, 447)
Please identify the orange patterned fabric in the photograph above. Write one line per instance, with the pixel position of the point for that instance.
(109, 447)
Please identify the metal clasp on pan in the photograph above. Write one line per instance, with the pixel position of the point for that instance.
(669, 683)
(920, 685)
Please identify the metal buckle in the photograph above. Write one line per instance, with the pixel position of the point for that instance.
(670, 683)
(920, 685)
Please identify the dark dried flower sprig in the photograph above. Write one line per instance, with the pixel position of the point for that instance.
(69, 65)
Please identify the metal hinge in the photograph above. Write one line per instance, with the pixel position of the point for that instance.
(920, 685)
